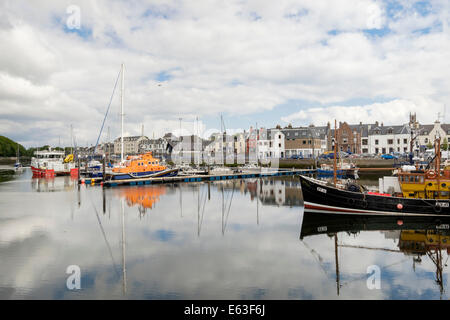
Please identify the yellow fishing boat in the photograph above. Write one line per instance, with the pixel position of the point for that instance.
(431, 183)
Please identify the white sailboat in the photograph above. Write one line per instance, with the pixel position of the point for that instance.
(18, 166)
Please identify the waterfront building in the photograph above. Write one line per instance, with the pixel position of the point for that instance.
(130, 144)
(156, 146)
(427, 134)
(276, 143)
(388, 139)
(302, 141)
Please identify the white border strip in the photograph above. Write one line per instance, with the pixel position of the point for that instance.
(363, 212)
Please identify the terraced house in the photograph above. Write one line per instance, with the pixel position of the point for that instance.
(303, 141)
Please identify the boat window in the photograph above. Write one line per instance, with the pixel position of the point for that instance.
(406, 179)
(421, 179)
(444, 193)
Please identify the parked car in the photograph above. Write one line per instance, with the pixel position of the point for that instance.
(388, 156)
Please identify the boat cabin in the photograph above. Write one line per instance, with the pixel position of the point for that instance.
(142, 163)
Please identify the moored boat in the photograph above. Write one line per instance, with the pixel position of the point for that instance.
(319, 196)
(141, 166)
(343, 170)
(51, 163)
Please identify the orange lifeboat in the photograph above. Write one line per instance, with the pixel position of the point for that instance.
(142, 166)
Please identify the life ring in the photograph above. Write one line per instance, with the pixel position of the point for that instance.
(437, 209)
(431, 174)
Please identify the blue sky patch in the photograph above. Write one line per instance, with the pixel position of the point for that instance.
(424, 8)
(296, 16)
(393, 8)
(163, 76)
(158, 13)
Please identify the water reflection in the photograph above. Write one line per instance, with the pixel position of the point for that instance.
(416, 238)
(232, 239)
(54, 184)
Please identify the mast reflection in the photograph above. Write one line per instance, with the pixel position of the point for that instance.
(416, 237)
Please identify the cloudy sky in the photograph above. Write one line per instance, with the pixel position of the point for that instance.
(254, 62)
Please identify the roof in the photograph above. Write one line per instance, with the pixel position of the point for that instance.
(131, 138)
(384, 130)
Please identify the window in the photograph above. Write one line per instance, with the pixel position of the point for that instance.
(376, 150)
(296, 133)
(390, 141)
(279, 136)
(398, 141)
(376, 142)
(426, 140)
(364, 142)
(425, 132)
(384, 150)
(405, 141)
(304, 141)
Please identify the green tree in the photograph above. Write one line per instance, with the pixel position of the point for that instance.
(445, 145)
(8, 148)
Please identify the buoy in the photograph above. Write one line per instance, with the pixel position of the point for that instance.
(399, 206)
(400, 222)
(82, 181)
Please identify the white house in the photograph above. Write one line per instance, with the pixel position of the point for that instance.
(387, 139)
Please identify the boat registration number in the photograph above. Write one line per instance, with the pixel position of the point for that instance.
(321, 189)
(442, 204)
(322, 229)
(443, 226)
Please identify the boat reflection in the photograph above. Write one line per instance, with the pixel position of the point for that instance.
(416, 237)
(142, 197)
(53, 184)
(282, 191)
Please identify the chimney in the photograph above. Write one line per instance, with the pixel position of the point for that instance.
(376, 123)
(142, 132)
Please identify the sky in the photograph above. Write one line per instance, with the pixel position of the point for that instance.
(255, 63)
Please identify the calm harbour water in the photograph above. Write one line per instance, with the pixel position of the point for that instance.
(236, 239)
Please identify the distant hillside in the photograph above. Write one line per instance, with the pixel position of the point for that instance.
(8, 148)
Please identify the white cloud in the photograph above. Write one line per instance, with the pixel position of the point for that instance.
(236, 57)
(392, 112)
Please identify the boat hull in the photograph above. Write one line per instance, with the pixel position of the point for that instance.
(322, 223)
(327, 199)
(145, 174)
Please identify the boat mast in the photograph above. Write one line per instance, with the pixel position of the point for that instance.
(124, 271)
(437, 151)
(334, 156)
(337, 262)
(121, 113)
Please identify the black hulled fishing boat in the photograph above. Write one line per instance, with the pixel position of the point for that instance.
(319, 196)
